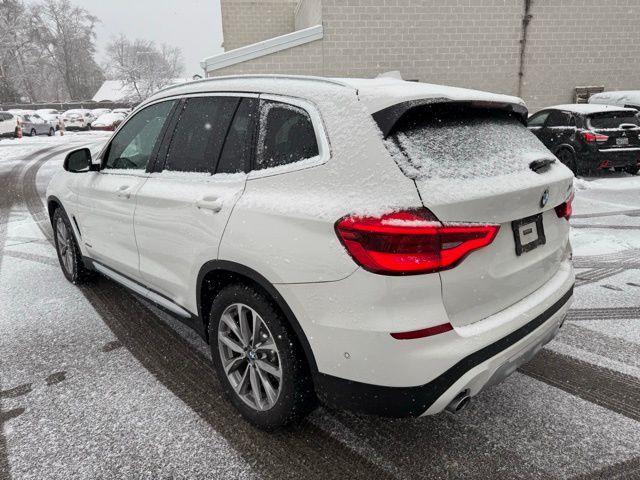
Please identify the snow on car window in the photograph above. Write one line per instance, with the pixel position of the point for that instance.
(463, 144)
(612, 120)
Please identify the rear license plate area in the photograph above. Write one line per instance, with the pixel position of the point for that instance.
(622, 141)
(528, 233)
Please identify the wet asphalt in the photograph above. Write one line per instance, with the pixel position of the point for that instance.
(95, 383)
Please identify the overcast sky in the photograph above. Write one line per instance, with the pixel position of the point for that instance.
(192, 25)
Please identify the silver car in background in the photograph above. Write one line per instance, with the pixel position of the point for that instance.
(33, 124)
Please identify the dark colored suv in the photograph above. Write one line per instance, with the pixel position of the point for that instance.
(588, 137)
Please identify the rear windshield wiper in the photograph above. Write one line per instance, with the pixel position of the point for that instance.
(541, 166)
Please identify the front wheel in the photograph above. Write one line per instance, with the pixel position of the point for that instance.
(33, 132)
(67, 248)
(52, 132)
(632, 170)
(258, 359)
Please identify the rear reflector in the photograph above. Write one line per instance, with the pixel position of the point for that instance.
(592, 137)
(425, 332)
(410, 242)
(564, 210)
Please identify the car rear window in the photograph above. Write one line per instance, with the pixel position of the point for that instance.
(447, 141)
(612, 120)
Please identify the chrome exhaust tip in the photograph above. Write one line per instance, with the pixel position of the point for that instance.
(459, 403)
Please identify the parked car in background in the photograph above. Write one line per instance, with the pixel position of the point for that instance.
(622, 98)
(125, 111)
(8, 124)
(77, 119)
(50, 115)
(33, 124)
(108, 121)
(96, 112)
(589, 137)
(387, 247)
(18, 111)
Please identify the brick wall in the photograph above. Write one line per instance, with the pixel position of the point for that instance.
(250, 21)
(473, 43)
(308, 14)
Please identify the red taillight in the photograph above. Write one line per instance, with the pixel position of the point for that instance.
(425, 332)
(564, 210)
(591, 137)
(410, 242)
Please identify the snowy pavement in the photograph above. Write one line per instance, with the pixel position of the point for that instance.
(96, 384)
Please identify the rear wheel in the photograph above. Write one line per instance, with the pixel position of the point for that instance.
(33, 132)
(52, 132)
(67, 248)
(568, 158)
(632, 170)
(258, 360)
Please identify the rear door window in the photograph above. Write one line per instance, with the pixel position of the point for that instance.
(458, 141)
(612, 120)
(238, 146)
(286, 135)
(538, 119)
(559, 119)
(199, 134)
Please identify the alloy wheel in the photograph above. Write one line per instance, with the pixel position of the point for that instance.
(250, 357)
(65, 246)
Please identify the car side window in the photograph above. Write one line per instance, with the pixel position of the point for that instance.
(199, 134)
(538, 119)
(132, 147)
(236, 153)
(286, 135)
(558, 119)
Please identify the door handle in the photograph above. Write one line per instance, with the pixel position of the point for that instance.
(123, 191)
(214, 204)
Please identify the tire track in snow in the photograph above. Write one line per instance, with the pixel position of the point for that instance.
(613, 313)
(609, 389)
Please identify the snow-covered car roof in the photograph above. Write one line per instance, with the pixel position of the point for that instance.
(376, 94)
(589, 108)
(109, 118)
(621, 98)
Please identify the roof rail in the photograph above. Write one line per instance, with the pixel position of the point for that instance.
(309, 78)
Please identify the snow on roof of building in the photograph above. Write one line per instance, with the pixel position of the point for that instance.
(621, 98)
(589, 108)
(376, 94)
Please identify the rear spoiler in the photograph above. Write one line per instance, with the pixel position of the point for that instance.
(388, 117)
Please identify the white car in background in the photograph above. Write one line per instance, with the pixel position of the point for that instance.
(96, 112)
(622, 98)
(386, 247)
(77, 119)
(8, 124)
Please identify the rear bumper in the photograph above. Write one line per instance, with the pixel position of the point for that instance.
(611, 157)
(473, 373)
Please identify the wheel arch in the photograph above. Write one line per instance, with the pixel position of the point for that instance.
(53, 203)
(223, 272)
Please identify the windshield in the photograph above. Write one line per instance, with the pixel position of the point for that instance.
(462, 142)
(612, 120)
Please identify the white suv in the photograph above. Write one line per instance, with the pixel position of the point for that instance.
(383, 246)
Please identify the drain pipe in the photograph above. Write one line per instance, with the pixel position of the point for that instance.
(526, 19)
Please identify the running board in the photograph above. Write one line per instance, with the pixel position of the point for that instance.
(142, 291)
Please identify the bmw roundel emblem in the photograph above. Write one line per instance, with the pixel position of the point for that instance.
(545, 198)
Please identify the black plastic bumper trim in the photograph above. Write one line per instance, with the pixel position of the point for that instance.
(400, 402)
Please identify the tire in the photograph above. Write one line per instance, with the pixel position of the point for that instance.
(52, 132)
(632, 170)
(568, 158)
(292, 396)
(69, 254)
(33, 132)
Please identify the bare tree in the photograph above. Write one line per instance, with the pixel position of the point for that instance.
(142, 67)
(66, 33)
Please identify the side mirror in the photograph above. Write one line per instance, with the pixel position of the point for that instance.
(79, 161)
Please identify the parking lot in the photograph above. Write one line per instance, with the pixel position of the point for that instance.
(95, 383)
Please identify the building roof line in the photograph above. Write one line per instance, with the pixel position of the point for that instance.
(260, 49)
